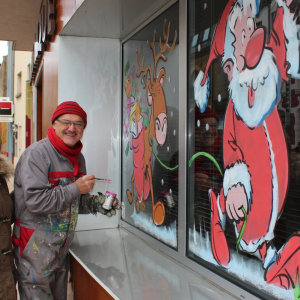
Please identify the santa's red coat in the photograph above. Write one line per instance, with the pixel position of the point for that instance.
(263, 152)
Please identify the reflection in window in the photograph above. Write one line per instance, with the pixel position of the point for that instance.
(195, 40)
(206, 35)
(244, 145)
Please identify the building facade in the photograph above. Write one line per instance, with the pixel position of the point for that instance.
(193, 112)
(22, 103)
(3, 93)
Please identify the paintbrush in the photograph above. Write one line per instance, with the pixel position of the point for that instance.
(74, 176)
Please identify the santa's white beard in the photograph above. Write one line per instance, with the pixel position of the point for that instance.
(265, 82)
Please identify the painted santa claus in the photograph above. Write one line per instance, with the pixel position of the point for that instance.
(255, 153)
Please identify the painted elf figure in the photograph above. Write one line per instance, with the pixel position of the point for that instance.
(255, 154)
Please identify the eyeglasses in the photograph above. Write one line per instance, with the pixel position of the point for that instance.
(209, 126)
(68, 123)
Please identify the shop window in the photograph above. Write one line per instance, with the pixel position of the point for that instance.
(19, 84)
(150, 128)
(244, 140)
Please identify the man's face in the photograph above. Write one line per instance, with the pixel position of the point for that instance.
(70, 135)
(208, 131)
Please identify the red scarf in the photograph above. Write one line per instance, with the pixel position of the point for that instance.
(70, 153)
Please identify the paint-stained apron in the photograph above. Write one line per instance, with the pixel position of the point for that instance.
(42, 265)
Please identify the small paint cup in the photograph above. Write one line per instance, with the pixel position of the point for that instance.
(109, 200)
(167, 198)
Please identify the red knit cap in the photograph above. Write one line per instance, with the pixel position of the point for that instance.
(206, 114)
(69, 107)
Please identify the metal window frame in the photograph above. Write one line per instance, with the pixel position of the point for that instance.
(206, 271)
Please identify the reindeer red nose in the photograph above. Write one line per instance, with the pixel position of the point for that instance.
(254, 49)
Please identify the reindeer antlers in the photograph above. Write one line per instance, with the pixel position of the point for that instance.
(143, 69)
(163, 46)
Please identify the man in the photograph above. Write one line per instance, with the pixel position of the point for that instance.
(47, 201)
(207, 175)
(255, 153)
(207, 139)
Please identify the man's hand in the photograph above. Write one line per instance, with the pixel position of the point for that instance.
(235, 200)
(93, 204)
(85, 183)
(99, 202)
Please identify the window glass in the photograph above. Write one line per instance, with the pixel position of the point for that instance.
(150, 128)
(244, 143)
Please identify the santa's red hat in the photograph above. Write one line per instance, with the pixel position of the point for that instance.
(201, 83)
(220, 46)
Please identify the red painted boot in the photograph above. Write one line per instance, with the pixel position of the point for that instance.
(285, 270)
(218, 240)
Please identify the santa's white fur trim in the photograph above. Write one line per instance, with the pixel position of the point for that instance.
(291, 30)
(222, 216)
(201, 93)
(238, 173)
(270, 257)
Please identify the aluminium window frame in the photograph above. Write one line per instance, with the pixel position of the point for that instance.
(209, 273)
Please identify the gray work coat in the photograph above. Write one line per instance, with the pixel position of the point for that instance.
(46, 211)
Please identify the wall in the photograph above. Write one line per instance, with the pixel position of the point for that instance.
(89, 73)
(3, 77)
(49, 66)
(22, 59)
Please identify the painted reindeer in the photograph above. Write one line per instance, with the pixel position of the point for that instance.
(142, 145)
